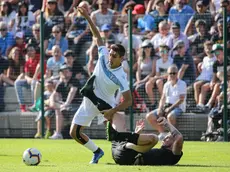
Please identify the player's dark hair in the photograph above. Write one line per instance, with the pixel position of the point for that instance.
(119, 49)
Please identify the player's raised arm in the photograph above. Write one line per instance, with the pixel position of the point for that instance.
(93, 28)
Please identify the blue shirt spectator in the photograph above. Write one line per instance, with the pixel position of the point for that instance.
(181, 15)
(7, 40)
(63, 43)
(147, 23)
(54, 65)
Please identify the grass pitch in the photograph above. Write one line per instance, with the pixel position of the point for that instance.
(68, 156)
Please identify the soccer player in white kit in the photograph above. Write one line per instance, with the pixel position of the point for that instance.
(99, 91)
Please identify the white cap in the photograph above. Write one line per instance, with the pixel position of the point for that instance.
(19, 35)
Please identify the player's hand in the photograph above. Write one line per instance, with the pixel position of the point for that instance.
(82, 10)
(108, 114)
(140, 125)
(162, 121)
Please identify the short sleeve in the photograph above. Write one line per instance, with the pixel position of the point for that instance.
(103, 53)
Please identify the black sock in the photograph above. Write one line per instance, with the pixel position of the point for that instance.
(97, 151)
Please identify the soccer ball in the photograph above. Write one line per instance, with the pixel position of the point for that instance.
(31, 156)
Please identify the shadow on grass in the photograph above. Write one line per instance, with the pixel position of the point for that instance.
(202, 165)
(187, 165)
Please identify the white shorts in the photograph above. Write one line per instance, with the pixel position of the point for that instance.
(86, 113)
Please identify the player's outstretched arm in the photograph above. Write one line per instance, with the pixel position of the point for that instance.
(93, 28)
(178, 138)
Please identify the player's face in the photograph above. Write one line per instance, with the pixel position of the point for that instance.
(114, 59)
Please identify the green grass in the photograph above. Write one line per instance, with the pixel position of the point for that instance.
(68, 156)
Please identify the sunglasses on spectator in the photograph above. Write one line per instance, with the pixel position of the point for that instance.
(3, 29)
(217, 53)
(164, 51)
(172, 73)
(147, 47)
(180, 47)
(36, 30)
(56, 32)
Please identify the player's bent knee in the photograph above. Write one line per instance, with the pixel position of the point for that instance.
(150, 117)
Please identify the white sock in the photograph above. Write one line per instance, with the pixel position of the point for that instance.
(91, 145)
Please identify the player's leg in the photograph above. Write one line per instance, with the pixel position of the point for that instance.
(83, 118)
(117, 131)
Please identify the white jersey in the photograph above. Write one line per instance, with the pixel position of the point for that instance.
(162, 67)
(108, 80)
(172, 93)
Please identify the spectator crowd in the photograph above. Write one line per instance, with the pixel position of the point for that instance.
(177, 41)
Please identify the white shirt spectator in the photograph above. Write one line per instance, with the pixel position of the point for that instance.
(162, 67)
(207, 69)
(172, 93)
(158, 40)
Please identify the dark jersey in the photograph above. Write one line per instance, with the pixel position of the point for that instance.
(219, 67)
(121, 155)
(124, 156)
(64, 90)
(161, 156)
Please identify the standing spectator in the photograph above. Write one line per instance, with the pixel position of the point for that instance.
(103, 15)
(26, 79)
(197, 41)
(49, 112)
(65, 97)
(176, 36)
(184, 62)
(162, 37)
(57, 39)
(7, 40)
(161, 76)
(180, 13)
(172, 103)
(53, 16)
(201, 13)
(7, 14)
(16, 64)
(24, 19)
(206, 73)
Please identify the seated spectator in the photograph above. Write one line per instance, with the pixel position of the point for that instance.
(176, 36)
(26, 78)
(145, 66)
(202, 13)
(20, 43)
(4, 64)
(79, 32)
(103, 15)
(206, 73)
(57, 39)
(214, 85)
(77, 70)
(217, 38)
(172, 103)
(106, 33)
(184, 63)
(180, 13)
(7, 40)
(197, 41)
(24, 19)
(123, 39)
(65, 97)
(16, 64)
(7, 14)
(49, 112)
(159, 13)
(162, 37)
(54, 63)
(35, 39)
(53, 16)
(161, 76)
